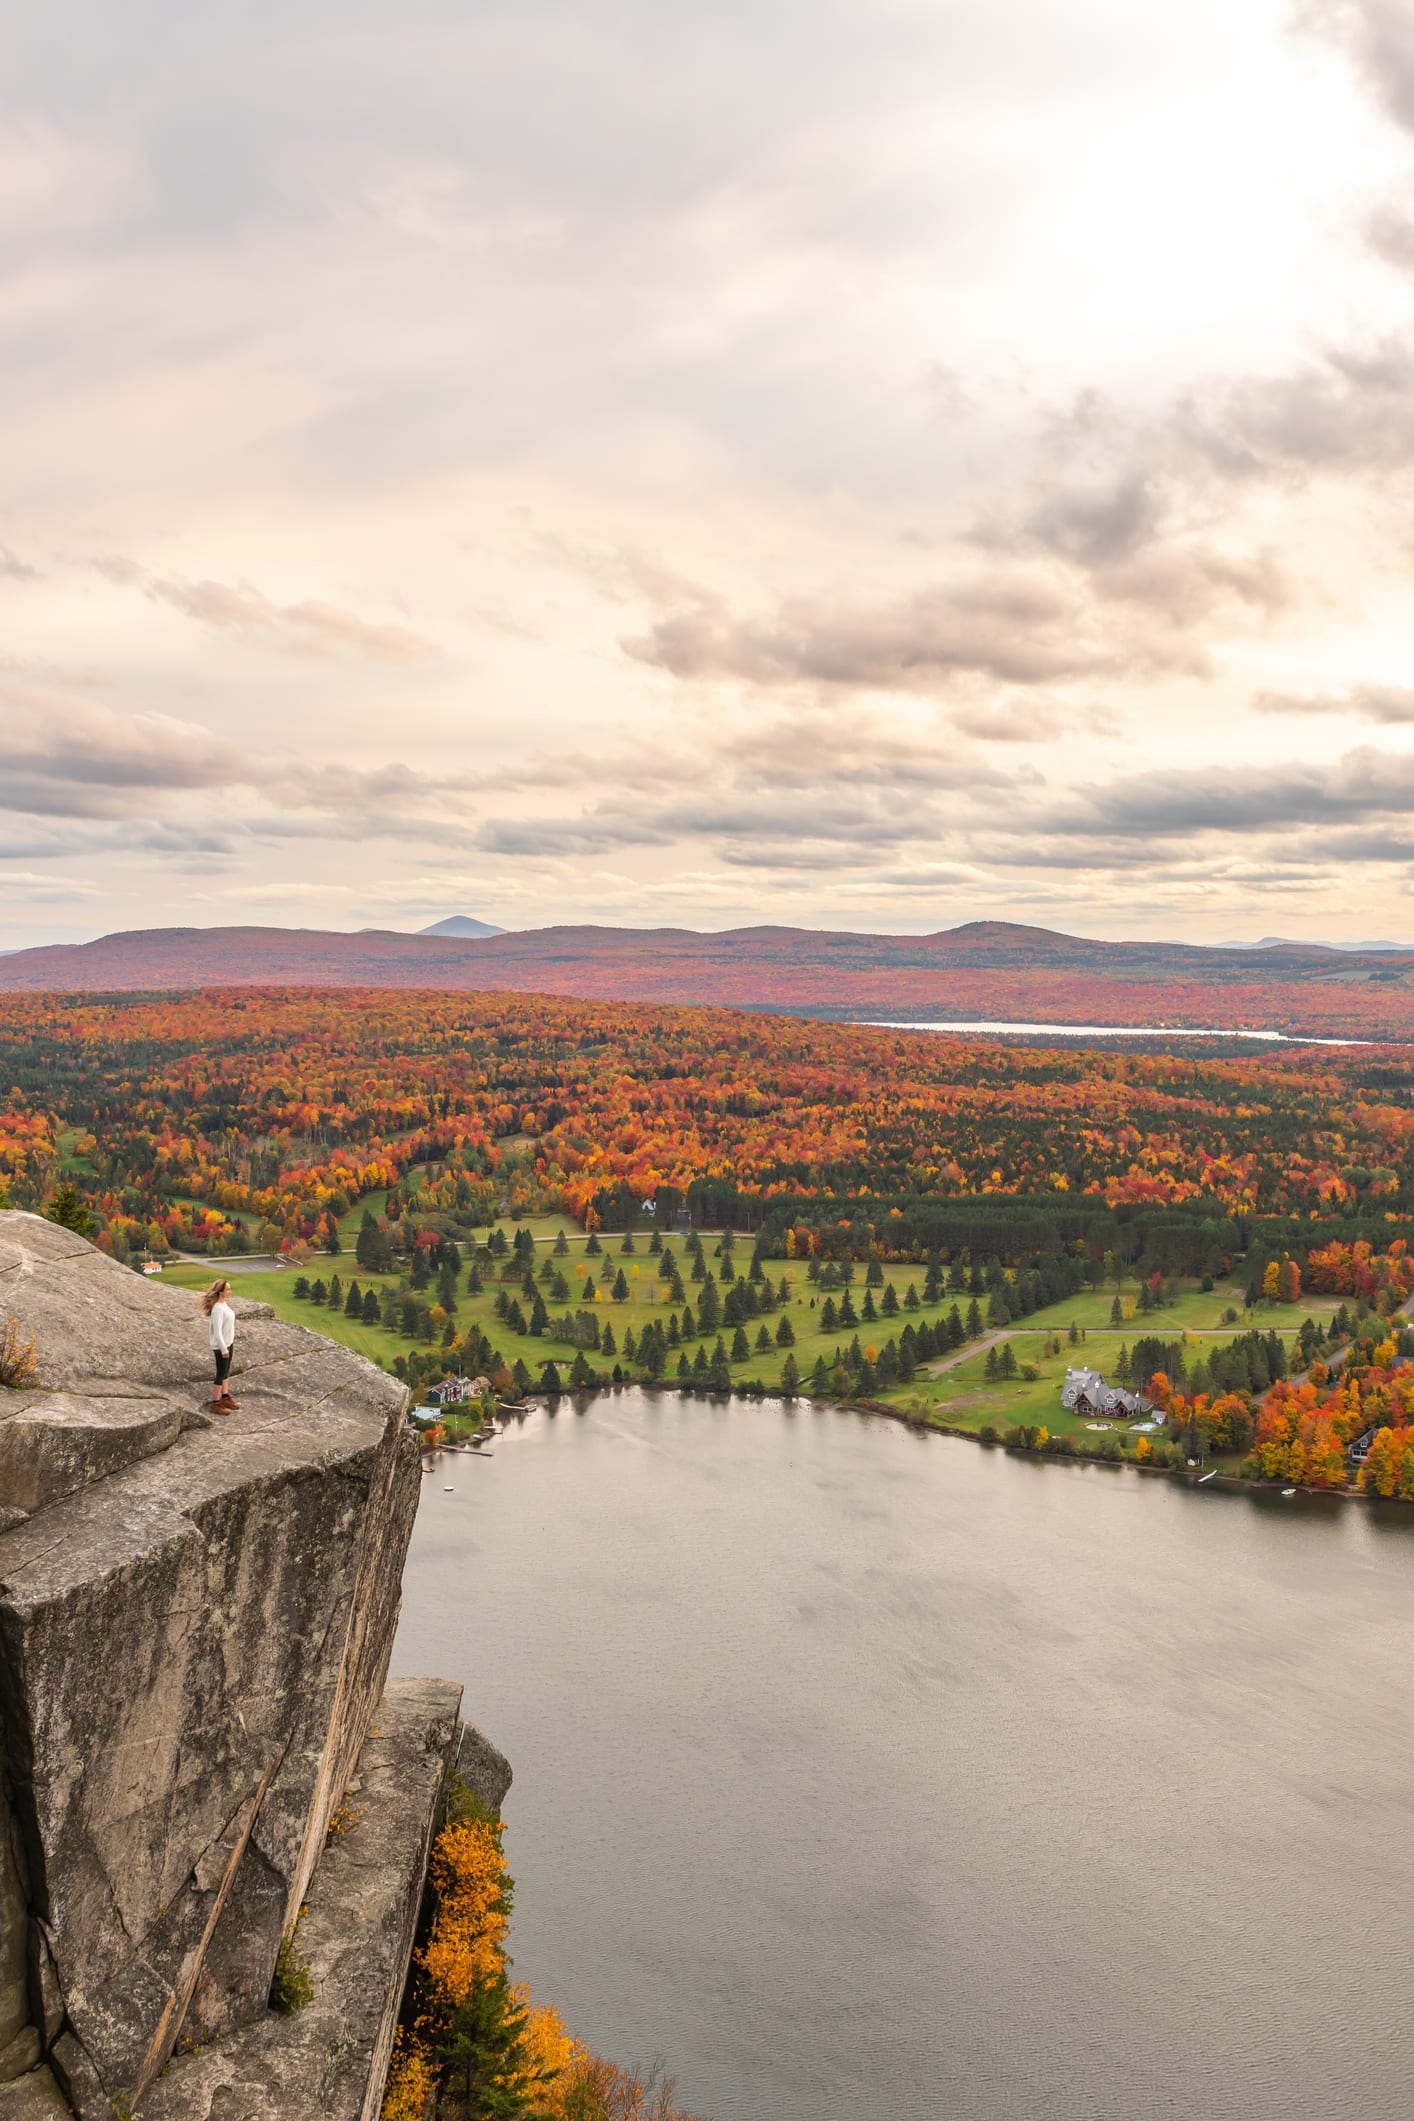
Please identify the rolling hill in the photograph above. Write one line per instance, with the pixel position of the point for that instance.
(985, 969)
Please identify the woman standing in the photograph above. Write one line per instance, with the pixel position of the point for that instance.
(216, 1304)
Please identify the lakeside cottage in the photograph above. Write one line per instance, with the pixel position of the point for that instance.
(1086, 1392)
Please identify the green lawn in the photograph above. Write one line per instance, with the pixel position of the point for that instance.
(1190, 1308)
(964, 1397)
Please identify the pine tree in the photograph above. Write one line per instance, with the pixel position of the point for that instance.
(66, 1209)
(562, 1244)
(620, 1291)
(989, 1368)
(740, 1348)
(790, 1377)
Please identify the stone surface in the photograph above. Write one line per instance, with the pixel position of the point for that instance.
(330, 2060)
(191, 1646)
(33, 2098)
(54, 1443)
(482, 1768)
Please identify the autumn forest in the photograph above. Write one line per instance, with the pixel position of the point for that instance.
(557, 1193)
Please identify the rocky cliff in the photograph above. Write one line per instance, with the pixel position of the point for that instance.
(196, 1614)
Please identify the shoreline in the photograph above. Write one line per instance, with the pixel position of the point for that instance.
(1230, 1483)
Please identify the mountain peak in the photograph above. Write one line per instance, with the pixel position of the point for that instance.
(461, 924)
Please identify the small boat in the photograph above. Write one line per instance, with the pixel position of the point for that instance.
(1204, 1478)
(1288, 1491)
(449, 1491)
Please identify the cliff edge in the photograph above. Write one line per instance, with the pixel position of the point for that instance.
(196, 1615)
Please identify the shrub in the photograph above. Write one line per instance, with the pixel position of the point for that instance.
(292, 1987)
(19, 1358)
(987, 1433)
(1029, 1373)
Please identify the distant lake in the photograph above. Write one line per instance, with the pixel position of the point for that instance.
(873, 1776)
(1270, 1038)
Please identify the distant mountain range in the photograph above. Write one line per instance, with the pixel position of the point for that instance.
(992, 970)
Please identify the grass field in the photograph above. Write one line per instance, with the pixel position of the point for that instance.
(959, 1393)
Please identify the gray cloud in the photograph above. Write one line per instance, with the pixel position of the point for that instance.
(310, 627)
(1365, 783)
(1379, 36)
(1018, 629)
(1387, 704)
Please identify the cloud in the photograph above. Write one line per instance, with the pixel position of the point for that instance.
(1389, 230)
(1019, 629)
(14, 569)
(34, 888)
(1365, 783)
(1379, 37)
(1387, 704)
(310, 627)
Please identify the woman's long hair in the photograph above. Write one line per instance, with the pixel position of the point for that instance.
(213, 1296)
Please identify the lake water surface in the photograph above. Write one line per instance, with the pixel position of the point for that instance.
(872, 1776)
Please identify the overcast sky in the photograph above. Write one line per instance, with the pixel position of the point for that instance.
(864, 463)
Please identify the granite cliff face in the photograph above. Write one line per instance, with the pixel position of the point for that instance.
(196, 1614)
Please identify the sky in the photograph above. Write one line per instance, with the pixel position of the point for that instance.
(868, 463)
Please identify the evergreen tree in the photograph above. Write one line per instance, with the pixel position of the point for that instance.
(1006, 1362)
(974, 1320)
(785, 1334)
(790, 1377)
(740, 1348)
(620, 1291)
(709, 1307)
(820, 1376)
(550, 1379)
(301, 1288)
(66, 1209)
(562, 1243)
(353, 1302)
(608, 1345)
(910, 1299)
(889, 1306)
(989, 1368)
(593, 1248)
(335, 1298)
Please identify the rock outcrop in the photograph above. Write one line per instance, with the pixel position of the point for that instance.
(196, 1614)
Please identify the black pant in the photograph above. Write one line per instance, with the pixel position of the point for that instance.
(223, 1365)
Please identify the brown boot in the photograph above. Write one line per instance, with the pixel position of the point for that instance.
(229, 1405)
(218, 1403)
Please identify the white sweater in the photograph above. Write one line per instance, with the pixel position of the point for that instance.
(223, 1326)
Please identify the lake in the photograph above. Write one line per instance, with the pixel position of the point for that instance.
(873, 1776)
(995, 1029)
